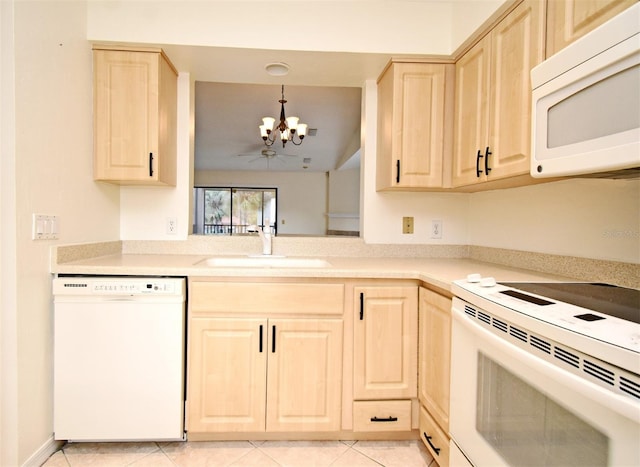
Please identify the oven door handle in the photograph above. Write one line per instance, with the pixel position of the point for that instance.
(616, 402)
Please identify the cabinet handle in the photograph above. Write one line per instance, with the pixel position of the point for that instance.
(478, 171)
(398, 171)
(150, 164)
(487, 153)
(273, 339)
(261, 338)
(428, 438)
(361, 306)
(388, 419)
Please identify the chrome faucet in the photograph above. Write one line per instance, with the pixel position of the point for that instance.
(265, 235)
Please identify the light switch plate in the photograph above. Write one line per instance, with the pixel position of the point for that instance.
(44, 227)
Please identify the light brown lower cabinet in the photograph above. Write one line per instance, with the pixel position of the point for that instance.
(280, 359)
(382, 415)
(436, 440)
(255, 375)
(434, 372)
(385, 342)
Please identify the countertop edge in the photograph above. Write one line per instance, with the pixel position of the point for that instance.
(437, 272)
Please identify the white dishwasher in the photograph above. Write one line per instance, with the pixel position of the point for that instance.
(119, 358)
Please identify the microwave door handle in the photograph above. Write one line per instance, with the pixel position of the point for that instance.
(619, 404)
(478, 171)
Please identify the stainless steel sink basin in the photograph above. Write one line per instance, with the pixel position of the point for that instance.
(264, 262)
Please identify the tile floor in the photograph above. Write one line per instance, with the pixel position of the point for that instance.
(245, 453)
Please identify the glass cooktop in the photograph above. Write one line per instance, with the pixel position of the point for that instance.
(621, 302)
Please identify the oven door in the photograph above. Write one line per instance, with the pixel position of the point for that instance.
(509, 407)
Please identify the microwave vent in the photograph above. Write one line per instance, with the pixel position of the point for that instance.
(622, 174)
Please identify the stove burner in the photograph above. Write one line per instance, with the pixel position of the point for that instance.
(607, 299)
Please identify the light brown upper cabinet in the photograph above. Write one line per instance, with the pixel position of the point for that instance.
(411, 125)
(135, 116)
(492, 131)
(568, 20)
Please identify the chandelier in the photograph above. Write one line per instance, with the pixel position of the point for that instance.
(287, 128)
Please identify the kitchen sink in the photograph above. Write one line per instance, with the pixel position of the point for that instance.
(263, 261)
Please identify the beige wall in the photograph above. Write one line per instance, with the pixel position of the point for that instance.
(344, 200)
(320, 25)
(46, 168)
(581, 217)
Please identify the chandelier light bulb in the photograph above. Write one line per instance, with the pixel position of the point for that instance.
(292, 123)
(302, 130)
(268, 122)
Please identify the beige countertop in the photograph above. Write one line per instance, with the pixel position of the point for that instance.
(438, 272)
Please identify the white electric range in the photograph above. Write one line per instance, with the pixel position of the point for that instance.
(545, 373)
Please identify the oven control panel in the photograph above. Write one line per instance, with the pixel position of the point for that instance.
(586, 326)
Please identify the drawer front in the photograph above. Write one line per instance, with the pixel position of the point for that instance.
(266, 297)
(436, 441)
(382, 415)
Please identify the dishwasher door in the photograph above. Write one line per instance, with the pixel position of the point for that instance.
(119, 353)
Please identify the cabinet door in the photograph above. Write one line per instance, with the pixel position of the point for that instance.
(568, 20)
(134, 117)
(385, 342)
(304, 383)
(411, 119)
(517, 46)
(227, 374)
(435, 355)
(492, 133)
(471, 114)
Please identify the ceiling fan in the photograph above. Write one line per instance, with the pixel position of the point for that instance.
(269, 155)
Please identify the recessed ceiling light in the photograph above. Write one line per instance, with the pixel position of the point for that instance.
(277, 68)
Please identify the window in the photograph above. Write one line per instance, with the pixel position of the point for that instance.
(231, 211)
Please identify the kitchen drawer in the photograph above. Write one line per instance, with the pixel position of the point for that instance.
(266, 297)
(437, 438)
(382, 415)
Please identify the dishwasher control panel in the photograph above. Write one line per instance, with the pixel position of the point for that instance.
(117, 286)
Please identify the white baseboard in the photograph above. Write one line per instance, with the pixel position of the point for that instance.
(43, 453)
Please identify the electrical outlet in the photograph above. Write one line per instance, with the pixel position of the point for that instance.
(407, 225)
(172, 225)
(436, 228)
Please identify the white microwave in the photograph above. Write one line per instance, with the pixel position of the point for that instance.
(586, 103)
